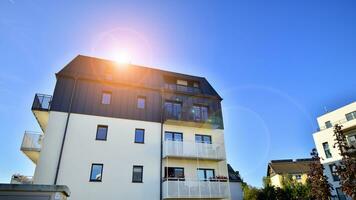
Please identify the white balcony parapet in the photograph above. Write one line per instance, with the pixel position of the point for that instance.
(189, 149)
(31, 141)
(183, 188)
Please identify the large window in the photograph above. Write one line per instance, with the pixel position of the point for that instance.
(203, 139)
(173, 136)
(200, 113)
(327, 150)
(106, 98)
(141, 102)
(96, 172)
(173, 110)
(174, 173)
(205, 174)
(137, 174)
(333, 172)
(351, 116)
(140, 135)
(101, 132)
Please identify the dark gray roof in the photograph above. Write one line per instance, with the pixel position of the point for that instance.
(94, 68)
(234, 176)
(289, 166)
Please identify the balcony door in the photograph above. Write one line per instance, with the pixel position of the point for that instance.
(174, 143)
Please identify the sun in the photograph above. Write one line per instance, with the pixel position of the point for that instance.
(122, 58)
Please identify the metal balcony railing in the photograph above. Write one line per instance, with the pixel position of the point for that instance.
(42, 102)
(190, 149)
(193, 188)
(182, 88)
(31, 141)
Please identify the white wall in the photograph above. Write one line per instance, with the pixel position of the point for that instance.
(236, 191)
(118, 154)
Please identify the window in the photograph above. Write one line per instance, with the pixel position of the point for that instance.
(203, 139)
(182, 82)
(196, 85)
(352, 140)
(137, 174)
(172, 136)
(174, 173)
(351, 116)
(200, 113)
(101, 132)
(96, 172)
(141, 102)
(173, 110)
(298, 177)
(140, 136)
(328, 124)
(333, 172)
(106, 98)
(205, 174)
(327, 150)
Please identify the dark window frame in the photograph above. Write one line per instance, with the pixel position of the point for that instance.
(202, 141)
(133, 171)
(140, 129)
(351, 114)
(101, 172)
(145, 102)
(201, 113)
(173, 133)
(206, 169)
(102, 97)
(335, 176)
(97, 130)
(173, 178)
(329, 154)
(328, 124)
(172, 111)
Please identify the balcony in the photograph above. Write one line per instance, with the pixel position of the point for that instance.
(40, 108)
(213, 189)
(186, 118)
(193, 150)
(31, 145)
(347, 124)
(182, 88)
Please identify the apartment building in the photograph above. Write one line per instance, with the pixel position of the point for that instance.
(278, 170)
(121, 131)
(324, 141)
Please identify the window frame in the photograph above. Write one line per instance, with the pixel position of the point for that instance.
(173, 133)
(328, 149)
(334, 175)
(102, 97)
(328, 124)
(205, 174)
(352, 114)
(202, 137)
(144, 102)
(101, 172)
(175, 178)
(173, 111)
(143, 139)
(97, 130)
(133, 168)
(195, 107)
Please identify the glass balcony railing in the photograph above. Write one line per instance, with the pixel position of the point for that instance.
(31, 141)
(192, 188)
(42, 102)
(191, 149)
(182, 88)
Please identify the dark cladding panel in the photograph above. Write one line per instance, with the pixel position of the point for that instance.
(61, 95)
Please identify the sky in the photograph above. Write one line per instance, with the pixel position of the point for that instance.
(277, 64)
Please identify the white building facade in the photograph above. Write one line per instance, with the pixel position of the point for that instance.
(324, 141)
(129, 132)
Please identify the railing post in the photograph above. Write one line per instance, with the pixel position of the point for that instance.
(209, 188)
(178, 188)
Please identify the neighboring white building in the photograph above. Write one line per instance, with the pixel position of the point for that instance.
(235, 184)
(324, 141)
(115, 131)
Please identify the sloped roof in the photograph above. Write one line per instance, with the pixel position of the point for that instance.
(234, 176)
(96, 68)
(299, 166)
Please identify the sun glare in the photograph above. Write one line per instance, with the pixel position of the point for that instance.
(122, 58)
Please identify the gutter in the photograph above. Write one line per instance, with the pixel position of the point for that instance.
(161, 149)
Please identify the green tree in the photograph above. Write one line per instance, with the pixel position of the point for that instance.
(347, 167)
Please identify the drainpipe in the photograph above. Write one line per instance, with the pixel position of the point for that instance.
(65, 130)
(161, 162)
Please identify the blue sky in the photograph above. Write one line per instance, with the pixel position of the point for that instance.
(277, 64)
